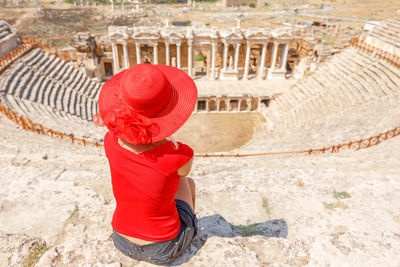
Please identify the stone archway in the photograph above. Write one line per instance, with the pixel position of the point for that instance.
(212, 105)
(293, 59)
(147, 54)
(233, 105)
(243, 105)
(222, 105)
(202, 60)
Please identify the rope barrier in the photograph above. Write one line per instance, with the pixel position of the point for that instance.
(355, 145)
(27, 124)
(9, 58)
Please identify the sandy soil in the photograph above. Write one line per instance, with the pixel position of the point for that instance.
(218, 132)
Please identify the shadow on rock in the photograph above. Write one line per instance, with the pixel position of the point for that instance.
(216, 225)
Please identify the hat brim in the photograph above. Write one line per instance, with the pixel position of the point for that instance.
(174, 114)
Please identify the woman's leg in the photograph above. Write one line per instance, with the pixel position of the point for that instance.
(192, 185)
(186, 191)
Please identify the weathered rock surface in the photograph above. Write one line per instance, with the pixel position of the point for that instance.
(338, 209)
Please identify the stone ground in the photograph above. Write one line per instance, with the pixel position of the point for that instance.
(217, 132)
(29, 21)
(339, 209)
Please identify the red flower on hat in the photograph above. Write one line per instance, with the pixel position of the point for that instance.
(129, 125)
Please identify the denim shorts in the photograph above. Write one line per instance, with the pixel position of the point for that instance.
(166, 251)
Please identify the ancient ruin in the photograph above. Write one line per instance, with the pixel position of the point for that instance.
(317, 182)
(217, 54)
(8, 38)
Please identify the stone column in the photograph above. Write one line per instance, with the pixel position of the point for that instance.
(274, 55)
(115, 56)
(261, 69)
(228, 104)
(126, 56)
(138, 60)
(166, 53)
(247, 62)
(155, 54)
(259, 105)
(213, 58)
(225, 56)
(178, 55)
(207, 105)
(284, 56)
(217, 104)
(190, 55)
(239, 104)
(248, 101)
(208, 67)
(237, 56)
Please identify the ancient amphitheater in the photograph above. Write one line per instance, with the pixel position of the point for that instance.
(284, 209)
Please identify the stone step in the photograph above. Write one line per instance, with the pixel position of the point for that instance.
(368, 78)
(34, 97)
(52, 100)
(40, 62)
(63, 73)
(31, 56)
(53, 73)
(72, 77)
(355, 92)
(95, 93)
(42, 90)
(59, 98)
(76, 82)
(51, 67)
(377, 74)
(14, 106)
(22, 87)
(394, 72)
(44, 68)
(29, 87)
(390, 71)
(16, 80)
(384, 38)
(361, 88)
(84, 87)
(48, 90)
(9, 78)
(3, 34)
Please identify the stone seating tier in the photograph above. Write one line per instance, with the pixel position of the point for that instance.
(349, 78)
(43, 83)
(386, 36)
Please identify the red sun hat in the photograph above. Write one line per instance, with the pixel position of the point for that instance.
(146, 103)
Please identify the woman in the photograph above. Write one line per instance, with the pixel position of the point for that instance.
(142, 107)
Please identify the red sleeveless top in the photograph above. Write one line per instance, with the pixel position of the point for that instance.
(144, 187)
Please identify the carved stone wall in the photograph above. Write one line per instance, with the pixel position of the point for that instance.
(8, 38)
(225, 54)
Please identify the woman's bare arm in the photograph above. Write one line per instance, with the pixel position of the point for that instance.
(185, 169)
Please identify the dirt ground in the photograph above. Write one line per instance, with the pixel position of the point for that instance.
(50, 18)
(215, 132)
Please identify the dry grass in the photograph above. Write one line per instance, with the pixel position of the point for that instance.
(338, 204)
(34, 254)
(265, 204)
(216, 132)
(299, 183)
